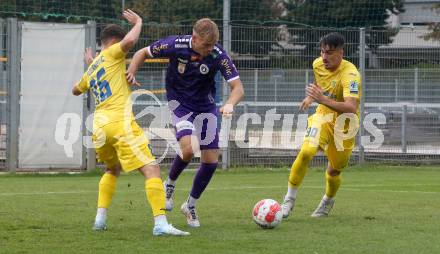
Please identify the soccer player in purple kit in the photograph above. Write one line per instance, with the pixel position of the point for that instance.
(190, 86)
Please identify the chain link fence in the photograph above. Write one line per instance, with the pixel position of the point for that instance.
(401, 83)
(275, 70)
(3, 94)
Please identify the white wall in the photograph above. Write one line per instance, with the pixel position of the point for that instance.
(52, 61)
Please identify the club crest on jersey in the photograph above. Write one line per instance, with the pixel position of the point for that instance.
(354, 87)
(181, 68)
(204, 69)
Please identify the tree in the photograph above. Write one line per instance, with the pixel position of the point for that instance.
(344, 16)
(167, 17)
(176, 11)
(71, 11)
(249, 34)
(434, 27)
(342, 13)
(253, 30)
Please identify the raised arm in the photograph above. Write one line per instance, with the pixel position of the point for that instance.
(132, 36)
(163, 48)
(137, 60)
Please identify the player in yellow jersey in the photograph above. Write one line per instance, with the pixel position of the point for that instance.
(333, 127)
(120, 142)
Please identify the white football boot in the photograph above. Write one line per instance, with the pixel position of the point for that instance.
(191, 215)
(99, 225)
(287, 207)
(324, 208)
(168, 229)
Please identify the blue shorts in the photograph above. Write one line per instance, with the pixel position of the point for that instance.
(201, 124)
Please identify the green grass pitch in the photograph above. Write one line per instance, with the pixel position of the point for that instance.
(379, 209)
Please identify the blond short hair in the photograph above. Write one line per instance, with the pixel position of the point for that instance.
(207, 30)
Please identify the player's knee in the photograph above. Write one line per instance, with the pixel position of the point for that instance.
(150, 171)
(306, 154)
(187, 154)
(114, 171)
(333, 172)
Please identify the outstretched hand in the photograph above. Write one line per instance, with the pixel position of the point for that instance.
(305, 104)
(131, 17)
(131, 79)
(316, 93)
(88, 56)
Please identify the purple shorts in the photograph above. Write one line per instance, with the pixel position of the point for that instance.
(201, 124)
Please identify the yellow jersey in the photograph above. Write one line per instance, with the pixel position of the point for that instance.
(343, 82)
(106, 79)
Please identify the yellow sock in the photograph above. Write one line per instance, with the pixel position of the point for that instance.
(332, 184)
(299, 167)
(107, 187)
(155, 195)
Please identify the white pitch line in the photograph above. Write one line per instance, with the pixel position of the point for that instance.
(323, 187)
(394, 185)
(44, 193)
(347, 187)
(394, 191)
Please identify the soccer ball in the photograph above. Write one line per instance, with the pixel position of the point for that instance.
(267, 213)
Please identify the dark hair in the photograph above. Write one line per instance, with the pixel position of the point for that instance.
(112, 31)
(333, 40)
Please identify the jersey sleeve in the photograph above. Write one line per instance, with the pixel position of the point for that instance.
(163, 47)
(115, 51)
(227, 68)
(351, 82)
(83, 85)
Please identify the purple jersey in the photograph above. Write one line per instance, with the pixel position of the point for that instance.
(190, 80)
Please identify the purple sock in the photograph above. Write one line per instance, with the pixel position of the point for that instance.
(177, 167)
(203, 176)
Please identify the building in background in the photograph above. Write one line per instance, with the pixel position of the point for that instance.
(408, 46)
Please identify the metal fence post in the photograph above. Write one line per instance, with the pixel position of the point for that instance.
(255, 84)
(307, 78)
(246, 131)
(163, 78)
(362, 46)
(227, 47)
(2, 47)
(3, 83)
(13, 45)
(416, 85)
(89, 105)
(404, 127)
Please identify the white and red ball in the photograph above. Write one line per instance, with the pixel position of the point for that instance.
(267, 213)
